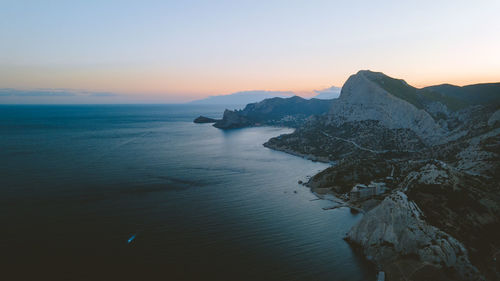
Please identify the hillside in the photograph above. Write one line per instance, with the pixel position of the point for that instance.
(420, 98)
(438, 154)
(275, 111)
(478, 94)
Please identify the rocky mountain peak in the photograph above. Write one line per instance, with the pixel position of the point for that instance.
(377, 85)
(369, 95)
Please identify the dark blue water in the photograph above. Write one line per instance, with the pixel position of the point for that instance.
(76, 182)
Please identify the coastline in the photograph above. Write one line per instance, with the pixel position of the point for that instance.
(298, 154)
(394, 164)
(361, 206)
(369, 236)
(323, 193)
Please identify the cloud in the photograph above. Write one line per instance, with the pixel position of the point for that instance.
(59, 96)
(34, 93)
(9, 92)
(243, 98)
(328, 93)
(103, 94)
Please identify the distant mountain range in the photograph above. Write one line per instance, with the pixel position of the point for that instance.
(246, 97)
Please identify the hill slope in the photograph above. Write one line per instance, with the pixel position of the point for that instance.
(478, 94)
(276, 111)
(437, 151)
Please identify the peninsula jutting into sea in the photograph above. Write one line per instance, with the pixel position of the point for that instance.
(423, 165)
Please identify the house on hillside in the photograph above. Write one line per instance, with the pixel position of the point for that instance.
(362, 191)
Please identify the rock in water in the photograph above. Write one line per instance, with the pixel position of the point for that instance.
(203, 119)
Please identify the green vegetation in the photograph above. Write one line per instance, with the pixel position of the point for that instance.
(397, 87)
(418, 97)
(452, 103)
(483, 94)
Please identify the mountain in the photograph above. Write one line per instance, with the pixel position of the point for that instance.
(291, 112)
(478, 94)
(395, 104)
(242, 98)
(328, 93)
(420, 98)
(436, 151)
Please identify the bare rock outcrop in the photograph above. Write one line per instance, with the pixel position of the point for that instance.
(394, 232)
(231, 119)
(438, 150)
(203, 119)
(362, 98)
(494, 119)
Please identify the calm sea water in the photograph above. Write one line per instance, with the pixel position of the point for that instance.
(76, 182)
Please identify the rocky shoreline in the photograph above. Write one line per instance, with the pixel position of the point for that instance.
(393, 233)
(422, 164)
(311, 157)
(395, 236)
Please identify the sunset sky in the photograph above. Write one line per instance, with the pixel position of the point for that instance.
(174, 51)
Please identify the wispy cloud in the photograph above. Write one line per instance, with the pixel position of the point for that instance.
(9, 92)
(103, 94)
(328, 93)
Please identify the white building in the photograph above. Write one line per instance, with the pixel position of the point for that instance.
(361, 191)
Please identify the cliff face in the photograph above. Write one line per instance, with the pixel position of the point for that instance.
(231, 120)
(394, 235)
(376, 114)
(364, 98)
(463, 205)
(437, 150)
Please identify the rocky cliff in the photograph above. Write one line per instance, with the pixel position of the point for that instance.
(231, 119)
(366, 96)
(395, 236)
(382, 115)
(465, 206)
(437, 149)
(439, 153)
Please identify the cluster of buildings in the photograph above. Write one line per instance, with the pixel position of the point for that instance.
(362, 191)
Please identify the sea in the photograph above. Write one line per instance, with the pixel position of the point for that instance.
(140, 192)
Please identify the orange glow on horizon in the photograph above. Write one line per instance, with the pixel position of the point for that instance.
(193, 84)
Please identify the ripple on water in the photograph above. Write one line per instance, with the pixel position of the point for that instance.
(203, 203)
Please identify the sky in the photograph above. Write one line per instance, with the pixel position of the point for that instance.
(175, 51)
